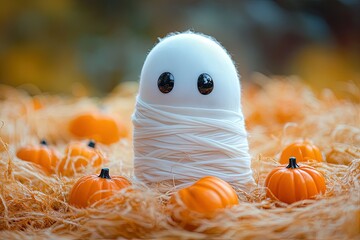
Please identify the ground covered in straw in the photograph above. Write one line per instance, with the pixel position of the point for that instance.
(278, 112)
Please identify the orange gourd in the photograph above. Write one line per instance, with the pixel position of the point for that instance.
(203, 197)
(33, 104)
(42, 155)
(98, 126)
(92, 189)
(303, 151)
(294, 183)
(36, 104)
(78, 156)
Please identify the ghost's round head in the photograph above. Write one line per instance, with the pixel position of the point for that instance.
(190, 70)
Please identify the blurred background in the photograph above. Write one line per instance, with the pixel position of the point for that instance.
(89, 47)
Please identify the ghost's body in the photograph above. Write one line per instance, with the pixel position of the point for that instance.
(188, 121)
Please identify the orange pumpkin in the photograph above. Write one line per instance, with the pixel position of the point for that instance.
(205, 197)
(42, 155)
(78, 156)
(98, 126)
(37, 105)
(303, 151)
(91, 189)
(293, 183)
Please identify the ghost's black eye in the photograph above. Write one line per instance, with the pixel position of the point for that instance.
(205, 84)
(166, 82)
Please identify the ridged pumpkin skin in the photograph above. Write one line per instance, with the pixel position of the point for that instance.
(42, 155)
(205, 197)
(91, 189)
(303, 151)
(100, 127)
(294, 183)
(78, 156)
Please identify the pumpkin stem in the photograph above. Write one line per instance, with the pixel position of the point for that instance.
(292, 163)
(105, 173)
(43, 142)
(91, 144)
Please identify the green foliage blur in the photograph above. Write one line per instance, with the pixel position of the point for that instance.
(88, 46)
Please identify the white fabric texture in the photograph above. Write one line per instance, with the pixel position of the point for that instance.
(185, 144)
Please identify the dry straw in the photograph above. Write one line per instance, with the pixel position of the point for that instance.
(34, 205)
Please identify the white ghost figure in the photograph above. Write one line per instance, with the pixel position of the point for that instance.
(188, 121)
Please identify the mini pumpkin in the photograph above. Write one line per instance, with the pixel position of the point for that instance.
(31, 105)
(42, 155)
(78, 156)
(37, 104)
(205, 197)
(294, 183)
(98, 126)
(303, 151)
(91, 189)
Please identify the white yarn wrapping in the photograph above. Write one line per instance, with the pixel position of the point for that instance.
(180, 143)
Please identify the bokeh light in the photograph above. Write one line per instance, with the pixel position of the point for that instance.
(89, 47)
